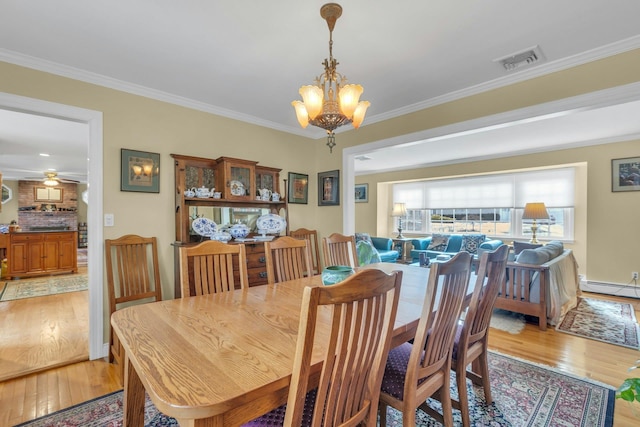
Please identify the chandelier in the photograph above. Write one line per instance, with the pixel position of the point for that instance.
(330, 102)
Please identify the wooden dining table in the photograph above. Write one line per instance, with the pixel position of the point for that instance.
(224, 359)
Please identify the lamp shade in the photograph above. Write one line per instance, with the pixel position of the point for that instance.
(399, 209)
(536, 210)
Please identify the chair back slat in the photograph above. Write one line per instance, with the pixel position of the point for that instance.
(210, 267)
(363, 309)
(133, 274)
(287, 258)
(446, 291)
(311, 236)
(339, 249)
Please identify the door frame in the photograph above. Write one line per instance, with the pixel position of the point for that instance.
(93, 120)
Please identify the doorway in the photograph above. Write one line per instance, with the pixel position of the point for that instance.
(93, 121)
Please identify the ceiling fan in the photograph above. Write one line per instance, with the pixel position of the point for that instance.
(52, 179)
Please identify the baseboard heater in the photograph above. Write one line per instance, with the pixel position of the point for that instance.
(616, 289)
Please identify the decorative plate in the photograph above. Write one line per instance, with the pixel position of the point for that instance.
(237, 188)
(271, 223)
(204, 226)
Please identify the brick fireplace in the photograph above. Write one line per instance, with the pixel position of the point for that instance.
(40, 214)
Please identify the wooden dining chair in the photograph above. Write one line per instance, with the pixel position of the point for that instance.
(339, 249)
(133, 276)
(287, 258)
(363, 311)
(311, 236)
(418, 370)
(211, 267)
(472, 335)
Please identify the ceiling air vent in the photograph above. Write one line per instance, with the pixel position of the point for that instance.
(526, 58)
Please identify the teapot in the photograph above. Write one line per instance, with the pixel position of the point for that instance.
(204, 192)
(190, 192)
(265, 193)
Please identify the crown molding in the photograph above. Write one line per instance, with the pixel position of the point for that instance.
(100, 80)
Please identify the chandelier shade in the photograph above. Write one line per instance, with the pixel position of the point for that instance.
(331, 101)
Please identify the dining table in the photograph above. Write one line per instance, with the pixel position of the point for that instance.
(225, 359)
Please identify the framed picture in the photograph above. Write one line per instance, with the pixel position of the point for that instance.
(625, 174)
(298, 191)
(362, 193)
(139, 171)
(329, 188)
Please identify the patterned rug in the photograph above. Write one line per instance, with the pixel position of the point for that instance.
(42, 286)
(524, 394)
(608, 321)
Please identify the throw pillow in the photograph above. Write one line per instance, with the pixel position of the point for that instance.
(471, 242)
(533, 256)
(367, 253)
(439, 242)
(520, 246)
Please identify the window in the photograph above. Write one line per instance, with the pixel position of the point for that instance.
(490, 204)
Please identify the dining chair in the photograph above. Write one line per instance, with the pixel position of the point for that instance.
(472, 334)
(287, 258)
(311, 236)
(363, 310)
(339, 249)
(421, 369)
(133, 275)
(211, 267)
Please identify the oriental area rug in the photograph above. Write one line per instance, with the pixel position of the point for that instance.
(607, 321)
(42, 286)
(525, 394)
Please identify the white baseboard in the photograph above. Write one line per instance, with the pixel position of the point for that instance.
(616, 289)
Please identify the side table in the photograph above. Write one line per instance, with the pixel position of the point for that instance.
(404, 246)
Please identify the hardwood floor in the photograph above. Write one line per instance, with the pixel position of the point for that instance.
(43, 332)
(38, 394)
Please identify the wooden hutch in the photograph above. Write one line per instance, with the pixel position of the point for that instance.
(228, 176)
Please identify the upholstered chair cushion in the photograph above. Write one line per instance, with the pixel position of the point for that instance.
(520, 246)
(275, 418)
(396, 370)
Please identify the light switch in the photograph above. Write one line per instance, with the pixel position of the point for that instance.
(108, 220)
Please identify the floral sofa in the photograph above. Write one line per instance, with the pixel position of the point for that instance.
(451, 244)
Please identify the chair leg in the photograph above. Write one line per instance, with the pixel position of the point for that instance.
(463, 397)
(484, 372)
(382, 407)
(445, 394)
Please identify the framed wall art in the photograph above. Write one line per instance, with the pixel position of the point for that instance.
(625, 174)
(362, 193)
(139, 171)
(329, 188)
(298, 191)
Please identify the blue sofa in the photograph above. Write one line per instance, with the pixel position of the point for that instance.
(474, 243)
(384, 246)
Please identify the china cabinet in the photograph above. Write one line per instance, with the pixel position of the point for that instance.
(237, 182)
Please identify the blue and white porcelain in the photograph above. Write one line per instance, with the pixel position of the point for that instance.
(239, 231)
(204, 226)
(271, 223)
(237, 188)
(221, 236)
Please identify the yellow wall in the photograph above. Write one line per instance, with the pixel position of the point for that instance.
(139, 123)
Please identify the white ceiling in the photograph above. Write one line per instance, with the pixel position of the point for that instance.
(247, 59)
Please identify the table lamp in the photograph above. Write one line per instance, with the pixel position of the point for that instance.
(399, 210)
(535, 211)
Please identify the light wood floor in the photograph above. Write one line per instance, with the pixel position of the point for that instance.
(43, 332)
(38, 394)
